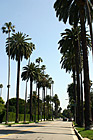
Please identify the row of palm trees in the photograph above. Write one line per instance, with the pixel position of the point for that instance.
(35, 73)
(18, 47)
(74, 50)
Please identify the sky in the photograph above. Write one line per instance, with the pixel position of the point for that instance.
(36, 18)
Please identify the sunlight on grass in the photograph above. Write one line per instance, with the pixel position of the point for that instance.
(85, 133)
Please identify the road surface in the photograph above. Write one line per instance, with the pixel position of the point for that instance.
(48, 130)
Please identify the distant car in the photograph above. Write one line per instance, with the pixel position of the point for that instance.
(69, 119)
(64, 119)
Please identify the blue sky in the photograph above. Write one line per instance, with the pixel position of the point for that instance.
(36, 18)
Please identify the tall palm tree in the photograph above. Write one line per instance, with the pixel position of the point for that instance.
(75, 10)
(1, 86)
(39, 60)
(48, 105)
(89, 5)
(8, 28)
(68, 48)
(52, 98)
(29, 72)
(50, 87)
(57, 103)
(43, 83)
(33, 48)
(19, 48)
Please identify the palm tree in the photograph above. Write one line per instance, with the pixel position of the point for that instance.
(33, 48)
(52, 98)
(70, 59)
(25, 103)
(34, 104)
(57, 103)
(75, 10)
(43, 83)
(48, 98)
(39, 60)
(1, 86)
(29, 72)
(89, 5)
(50, 87)
(19, 48)
(7, 29)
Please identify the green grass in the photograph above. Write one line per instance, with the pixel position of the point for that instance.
(85, 133)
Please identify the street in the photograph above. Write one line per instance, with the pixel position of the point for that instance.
(48, 130)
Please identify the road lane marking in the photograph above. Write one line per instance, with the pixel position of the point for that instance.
(19, 132)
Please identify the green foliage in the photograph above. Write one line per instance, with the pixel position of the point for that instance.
(12, 117)
(67, 113)
(2, 109)
(85, 133)
(12, 105)
(57, 104)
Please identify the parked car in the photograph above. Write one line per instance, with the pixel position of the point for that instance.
(65, 119)
(69, 119)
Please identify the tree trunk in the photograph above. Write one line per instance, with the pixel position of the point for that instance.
(86, 70)
(17, 92)
(25, 102)
(81, 101)
(38, 103)
(8, 86)
(35, 102)
(31, 84)
(74, 89)
(52, 102)
(78, 117)
(44, 102)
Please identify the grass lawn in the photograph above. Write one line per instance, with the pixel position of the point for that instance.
(85, 133)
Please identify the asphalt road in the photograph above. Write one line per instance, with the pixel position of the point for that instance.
(48, 130)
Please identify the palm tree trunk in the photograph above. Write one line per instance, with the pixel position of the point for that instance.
(31, 84)
(81, 102)
(74, 90)
(86, 70)
(17, 92)
(25, 103)
(35, 102)
(52, 102)
(8, 86)
(78, 83)
(44, 102)
(38, 103)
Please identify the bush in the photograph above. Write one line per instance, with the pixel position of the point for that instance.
(2, 109)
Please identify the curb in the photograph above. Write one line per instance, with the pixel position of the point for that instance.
(78, 135)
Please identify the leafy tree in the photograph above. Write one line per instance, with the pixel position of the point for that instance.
(7, 29)
(67, 113)
(12, 105)
(19, 48)
(2, 109)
